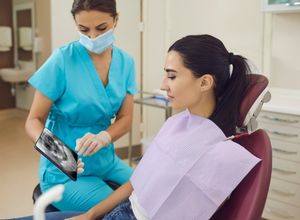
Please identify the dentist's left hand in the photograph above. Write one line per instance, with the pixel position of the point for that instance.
(90, 143)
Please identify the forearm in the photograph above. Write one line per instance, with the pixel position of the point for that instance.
(37, 116)
(122, 193)
(34, 128)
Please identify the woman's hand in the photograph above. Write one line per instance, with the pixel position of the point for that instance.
(90, 143)
(80, 166)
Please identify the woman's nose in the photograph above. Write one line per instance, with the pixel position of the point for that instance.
(93, 35)
(164, 85)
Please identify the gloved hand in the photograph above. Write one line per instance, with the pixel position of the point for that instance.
(90, 143)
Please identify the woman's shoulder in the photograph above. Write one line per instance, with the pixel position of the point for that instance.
(122, 53)
(176, 116)
(60, 54)
(188, 123)
(174, 120)
(67, 48)
(188, 118)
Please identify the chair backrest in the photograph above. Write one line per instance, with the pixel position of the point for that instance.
(247, 201)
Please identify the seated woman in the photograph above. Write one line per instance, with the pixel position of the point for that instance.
(191, 167)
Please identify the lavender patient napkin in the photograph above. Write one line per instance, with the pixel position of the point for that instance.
(189, 169)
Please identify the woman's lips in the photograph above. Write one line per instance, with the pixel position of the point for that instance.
(170, 97)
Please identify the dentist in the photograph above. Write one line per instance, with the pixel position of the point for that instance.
(79, 90)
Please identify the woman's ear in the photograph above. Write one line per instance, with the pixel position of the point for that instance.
(116, 19)
(206, 82)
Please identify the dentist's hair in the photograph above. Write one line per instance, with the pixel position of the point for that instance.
(108, 6)
(205, 54)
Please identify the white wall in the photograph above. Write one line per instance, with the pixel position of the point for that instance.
(63, 29)
(285, 51)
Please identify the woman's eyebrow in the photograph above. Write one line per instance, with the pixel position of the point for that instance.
(82, 26)
(170, 70)
(98, 26)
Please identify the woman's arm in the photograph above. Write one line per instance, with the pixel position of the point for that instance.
(122, 193)
(123, 120)
(38, 113)
(91, 143)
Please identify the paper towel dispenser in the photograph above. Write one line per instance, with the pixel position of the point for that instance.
(5, 38)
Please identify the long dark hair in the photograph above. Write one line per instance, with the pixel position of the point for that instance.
(108, 6)
(205, 54)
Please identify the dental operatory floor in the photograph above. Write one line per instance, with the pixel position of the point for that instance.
(18, 165)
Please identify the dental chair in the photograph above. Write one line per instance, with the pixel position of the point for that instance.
(247, 201)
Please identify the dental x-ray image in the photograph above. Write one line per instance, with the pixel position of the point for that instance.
(58, 153)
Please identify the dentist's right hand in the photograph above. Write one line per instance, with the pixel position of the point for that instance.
(90, 143)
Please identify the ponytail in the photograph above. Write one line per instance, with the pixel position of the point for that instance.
(228, 102)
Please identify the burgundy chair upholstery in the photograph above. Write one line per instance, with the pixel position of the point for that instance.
(256, 94)
(248, 199)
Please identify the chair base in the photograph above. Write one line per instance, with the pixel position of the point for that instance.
(37, 193)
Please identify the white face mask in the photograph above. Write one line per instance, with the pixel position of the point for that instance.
(99, 44)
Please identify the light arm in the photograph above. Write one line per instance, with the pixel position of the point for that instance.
(38, 114)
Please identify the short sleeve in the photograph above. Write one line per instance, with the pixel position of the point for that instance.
(49, 79)
(131, 82)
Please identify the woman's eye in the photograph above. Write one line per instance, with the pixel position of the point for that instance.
(101, 29)
(172, 77)
(83, 31)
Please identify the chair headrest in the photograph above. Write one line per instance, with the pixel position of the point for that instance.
(256, 94)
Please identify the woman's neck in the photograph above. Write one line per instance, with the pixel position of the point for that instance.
(107, 54)
(205, 107)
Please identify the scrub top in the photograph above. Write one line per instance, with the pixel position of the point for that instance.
(81, 103)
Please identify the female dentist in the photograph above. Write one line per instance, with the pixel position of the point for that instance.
(79, 90)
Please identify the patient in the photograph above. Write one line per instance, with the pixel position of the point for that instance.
(191, 167)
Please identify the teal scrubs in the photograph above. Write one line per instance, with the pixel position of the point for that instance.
(81, 104)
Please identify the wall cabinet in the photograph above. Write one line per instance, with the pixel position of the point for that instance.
(283, 200)
(278, 6)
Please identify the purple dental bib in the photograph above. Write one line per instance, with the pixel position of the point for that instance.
(189, 169)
